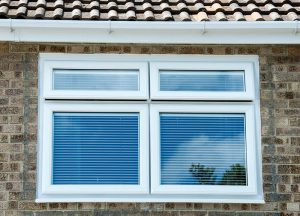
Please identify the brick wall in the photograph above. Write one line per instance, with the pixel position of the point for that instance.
(280, 109)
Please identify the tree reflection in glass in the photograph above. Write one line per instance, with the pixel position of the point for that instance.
(206, 149)
(235, 175)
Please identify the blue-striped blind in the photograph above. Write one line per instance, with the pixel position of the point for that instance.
(206, 149)
(96, 148)
(215, 81)
(101, 80)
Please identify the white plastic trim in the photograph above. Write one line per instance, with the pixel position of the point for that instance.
(45, 187)
(213, 65)
(50, 65)
(204, 190)
(267, 32)
(100, 197)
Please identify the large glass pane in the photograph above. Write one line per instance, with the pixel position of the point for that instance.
(96, 148)
(203, 149)
(101, 80)
(227, 81)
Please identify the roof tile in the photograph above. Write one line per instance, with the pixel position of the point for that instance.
(199, 6)
(59, 4)
(41, 3)
(182, 7)
(149, 15)
(166, 15)
(201, 16)
(76, 14)
(94, 5)
(275, 16)
(130, 15)
(58, 13)
(94, 14)
(292, 16)
(3, 11)
(256, 16)
(112, 15)
(21, 12)
(238, 16)
(184, 16)
(221, 16)
(4, 3)
(163, 10)
(40, 13)
(22, 3)
(165, 6)
(253, 8)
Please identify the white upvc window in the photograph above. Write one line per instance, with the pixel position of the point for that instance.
(202, 80)
(217, 136)
(149, 129)
(72, 158)
(94, 80)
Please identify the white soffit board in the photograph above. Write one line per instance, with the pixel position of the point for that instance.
(266, 32)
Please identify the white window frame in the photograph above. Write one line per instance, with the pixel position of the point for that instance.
(47, 149)
(149, 66)
(203, 108)
(50, 66)
(247, 67)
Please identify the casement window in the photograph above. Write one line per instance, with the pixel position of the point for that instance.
(157, 128)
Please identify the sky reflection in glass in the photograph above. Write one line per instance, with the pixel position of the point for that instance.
(214, 142)
(227, 81)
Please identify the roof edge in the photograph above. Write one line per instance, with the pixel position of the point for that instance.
(230, 32)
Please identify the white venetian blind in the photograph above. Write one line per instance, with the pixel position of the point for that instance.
(101, 80)
(202, 149)
(222, 81)
(96, 148)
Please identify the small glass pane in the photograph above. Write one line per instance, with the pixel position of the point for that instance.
(101, 80)
(203, 149)
(96, 148)
(227, 81)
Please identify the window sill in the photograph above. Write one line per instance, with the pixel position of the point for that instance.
(150, 198)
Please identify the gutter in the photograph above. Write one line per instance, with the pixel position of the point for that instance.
(258, 32)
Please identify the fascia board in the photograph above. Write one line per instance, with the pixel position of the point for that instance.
(267, 32)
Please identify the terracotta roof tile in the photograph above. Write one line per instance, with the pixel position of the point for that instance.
(158, 10)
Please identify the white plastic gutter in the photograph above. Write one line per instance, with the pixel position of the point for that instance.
(266, 32)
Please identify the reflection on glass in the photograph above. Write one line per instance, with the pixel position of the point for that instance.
(227, 81)
(105, 80)
(206, 149)
(235, 175)
(96, 148)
